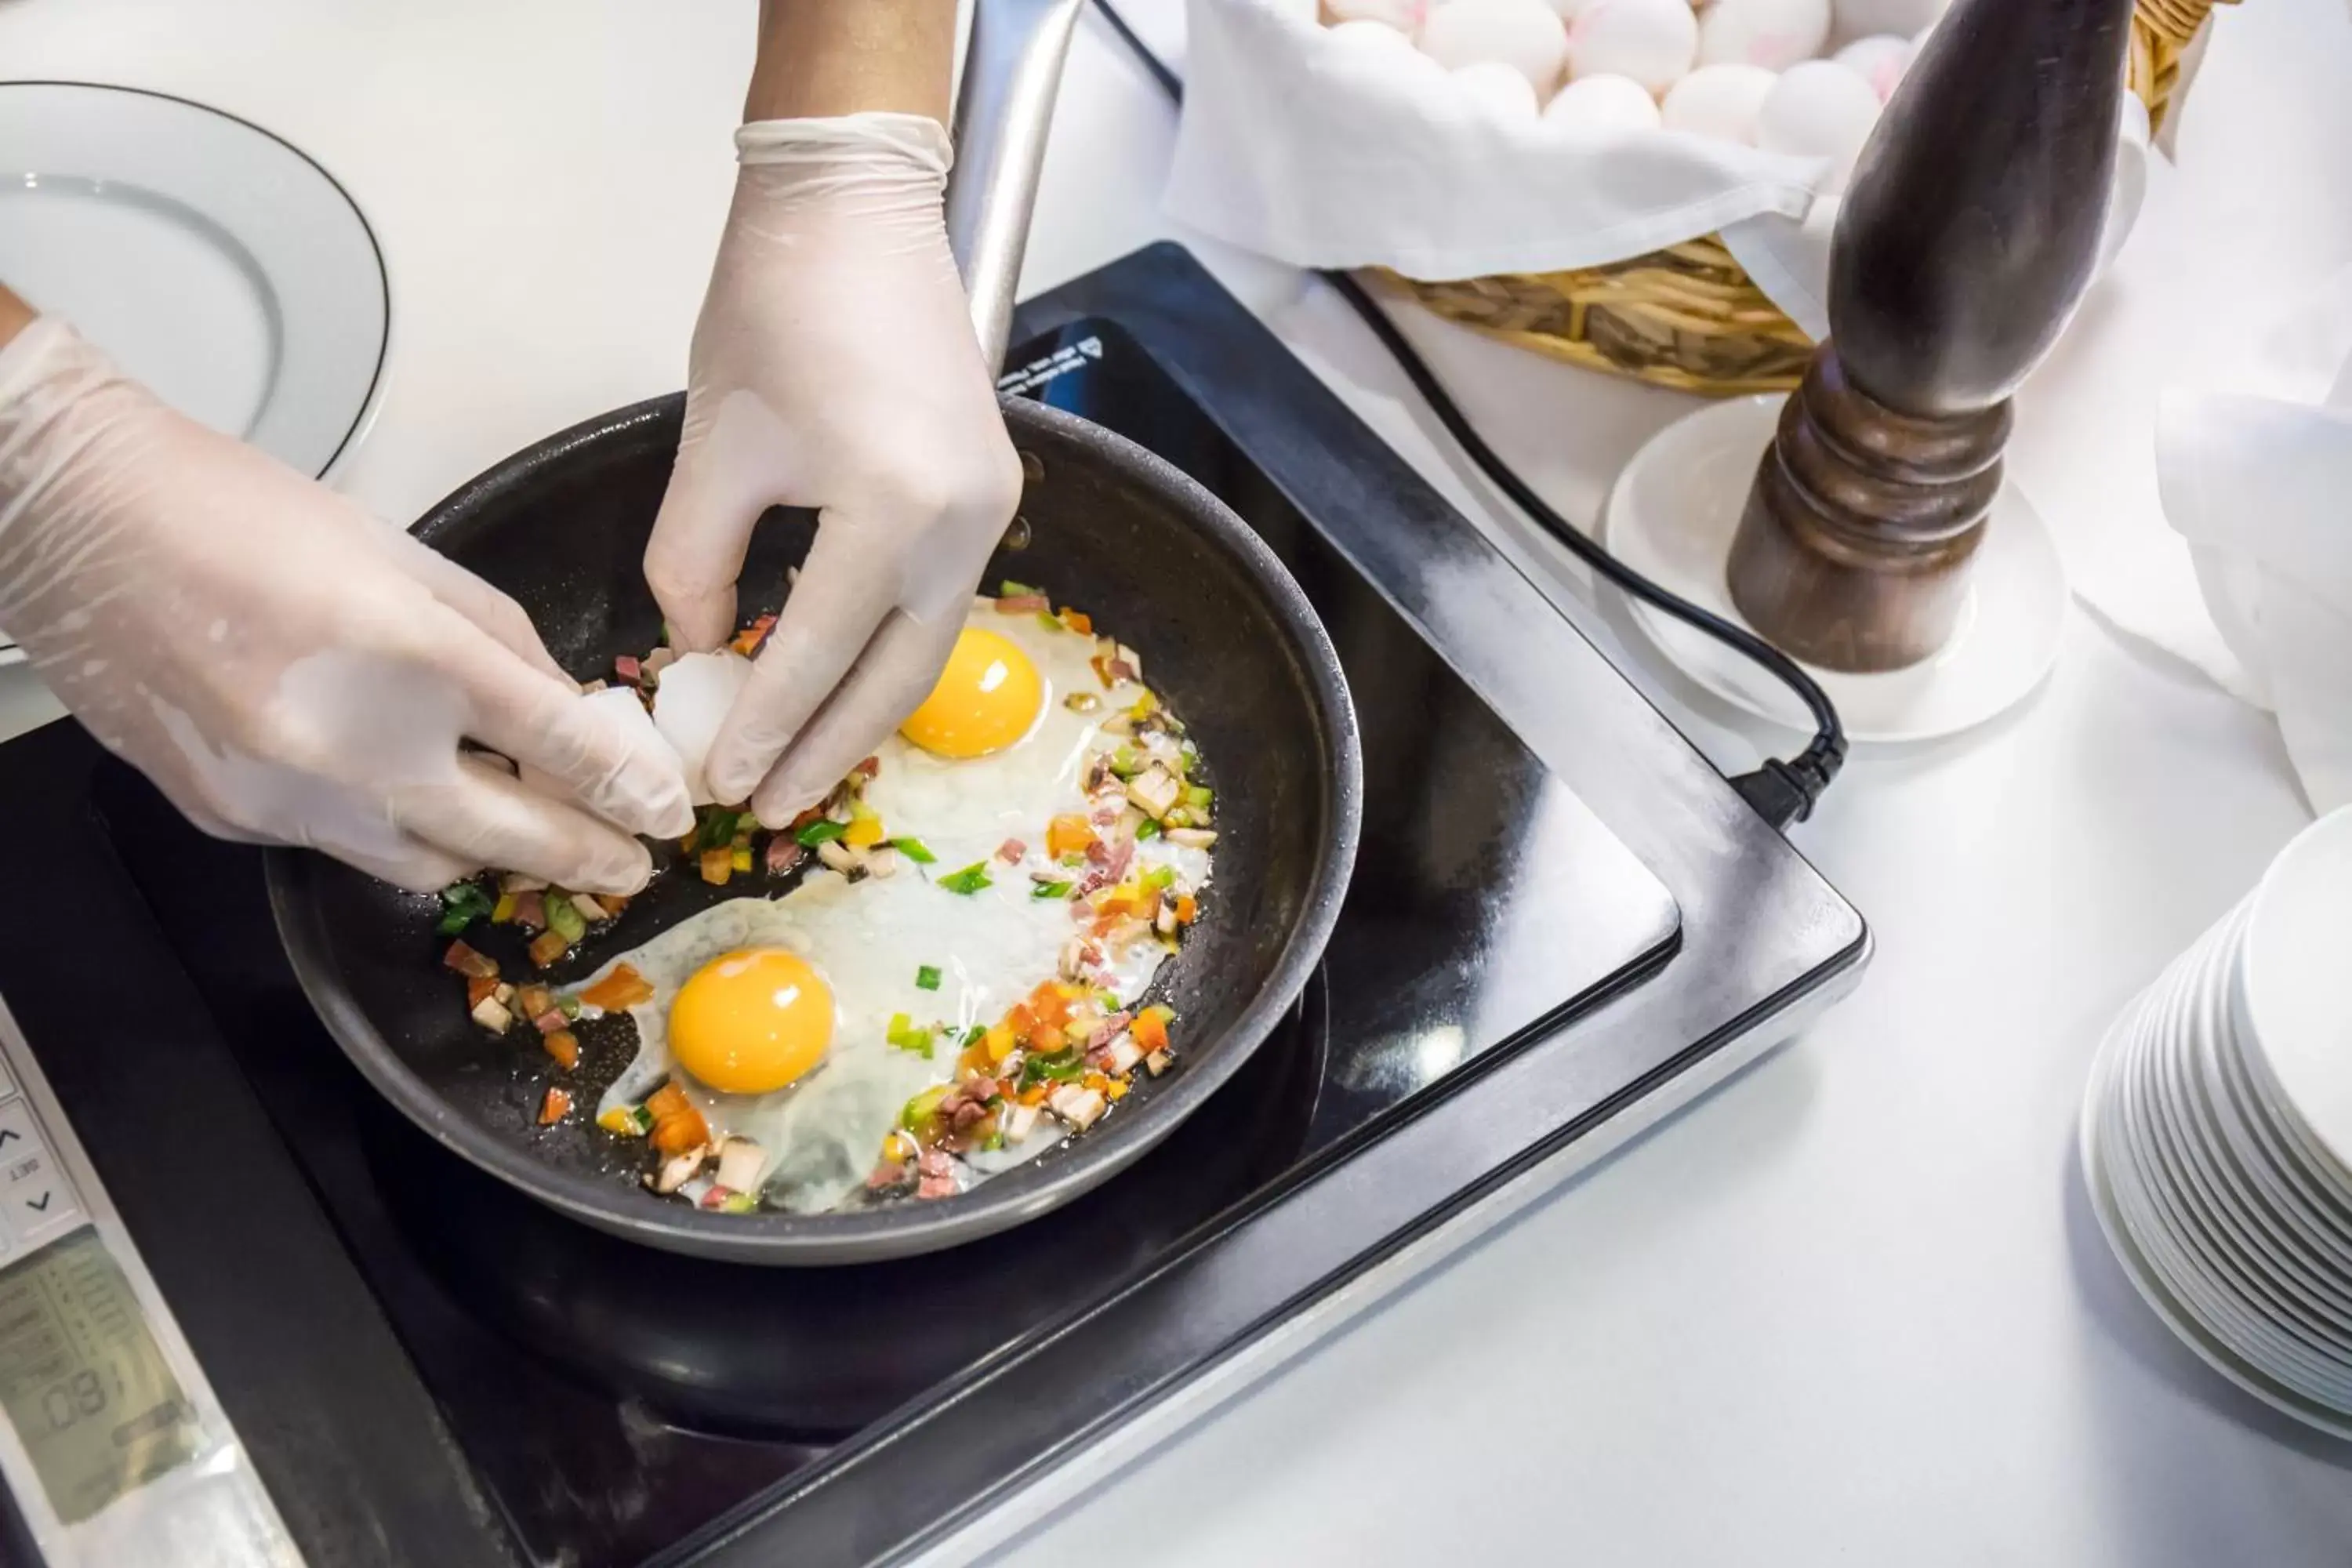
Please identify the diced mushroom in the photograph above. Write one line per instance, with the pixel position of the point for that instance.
(677, 1170)
(1192, 838)
(1081, 1108)
(841, 857)
(490, 1015)
(739, 1164)
(1073, 964)
(589, 909)
(1155, 791)
(1158, 1062)
(1164, 922)
(1119, 1058)
(1019, 1122)
(881, 861)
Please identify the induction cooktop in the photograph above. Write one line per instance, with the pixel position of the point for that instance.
(1562, 923)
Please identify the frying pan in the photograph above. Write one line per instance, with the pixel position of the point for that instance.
(1230, 642)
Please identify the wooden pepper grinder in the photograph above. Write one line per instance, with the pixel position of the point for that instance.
(1968, 235)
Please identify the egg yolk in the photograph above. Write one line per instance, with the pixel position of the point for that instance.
(986, 699)
(749, 1022)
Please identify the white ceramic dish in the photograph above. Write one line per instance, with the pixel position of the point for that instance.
(217, 263)
(1671, 517)
(2295, 986)
(2184, 1323)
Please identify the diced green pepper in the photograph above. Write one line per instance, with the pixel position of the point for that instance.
(920, 1109)
(823, 830)
(1062, 1066)
(1125, 763)
(1199, 797)
(1051, 890)
(968, 880)
(907, 1037)
(717, 827)
(564, 919)
(1009, 589)
(927, 977)
(1159, 877)
(914, 849)
(462, 903)
(1050, 621)
(1146, 828)
(973, 1036)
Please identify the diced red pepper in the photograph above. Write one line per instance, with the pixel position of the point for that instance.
(479, 989)
(1077, 622)
(468, 963)
(555, 1107)
(563, 1046)
(1068, 836)
(547, 947)
(678, 1125)
(623, 988)
(1148, 1030)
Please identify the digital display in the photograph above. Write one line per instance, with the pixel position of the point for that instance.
(82, 1380)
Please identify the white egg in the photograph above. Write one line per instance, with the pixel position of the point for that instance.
(1374, 38)
(1601, 103)
(1719, 102)
(1879, 60)
(1774, 34)
(1651, 41)
(1855, 19)
(1819, 109)
(1522, 33)
(1402, 14)
(1567, 10)
(874, 941)
(1498, 90)
(689, 702)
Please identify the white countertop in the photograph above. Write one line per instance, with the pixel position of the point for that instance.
(1851, 1308)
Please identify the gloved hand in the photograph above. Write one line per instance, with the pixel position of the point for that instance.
(834, 366)
(285, 667)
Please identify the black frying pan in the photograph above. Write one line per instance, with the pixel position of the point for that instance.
(1228, 640)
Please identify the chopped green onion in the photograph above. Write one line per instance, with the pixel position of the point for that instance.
(1146, 828)
(973, 1036)
(564, 919)
(907, 1037)
(927, 977)
(993, 1143)
(462, 903)
(568, 1005)
(914, 849)
(823, 830)
(717, 827)
(1009, 589)
(1062, 1066)
(1050, 621)
(1199, 797)
(920, 1109)
(968, 880)
(642, 1117)
(1051, 890)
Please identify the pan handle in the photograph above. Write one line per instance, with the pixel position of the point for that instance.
(1012, 72)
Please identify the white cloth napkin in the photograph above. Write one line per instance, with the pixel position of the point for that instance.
(2261, 490)
(1299, 146)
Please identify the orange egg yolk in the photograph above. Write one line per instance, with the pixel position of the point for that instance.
(986, 699)
(749, 1022)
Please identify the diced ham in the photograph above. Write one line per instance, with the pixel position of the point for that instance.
(1023, 605)
(1119, 1058)
(782, 854)
(888, 1175)
(531, 911)
(1010, 851)
(627, 669)
(1106, 1031)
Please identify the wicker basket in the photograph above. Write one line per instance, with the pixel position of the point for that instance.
(1687, 316)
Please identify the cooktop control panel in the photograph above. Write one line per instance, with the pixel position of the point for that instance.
(112, 1446)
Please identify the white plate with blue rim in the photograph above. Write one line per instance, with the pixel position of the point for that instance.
(215, 262)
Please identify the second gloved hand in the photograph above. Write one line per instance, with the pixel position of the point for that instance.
(286, 667)
(834, 366)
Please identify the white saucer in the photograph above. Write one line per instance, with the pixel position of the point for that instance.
(214, 261)
(1671, 518)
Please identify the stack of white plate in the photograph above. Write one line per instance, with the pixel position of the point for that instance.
(2217, 1136)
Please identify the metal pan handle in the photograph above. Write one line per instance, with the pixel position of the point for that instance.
(1012, 72)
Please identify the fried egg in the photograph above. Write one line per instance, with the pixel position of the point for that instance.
(807, 1023)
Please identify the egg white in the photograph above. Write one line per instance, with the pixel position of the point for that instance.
(870, 939)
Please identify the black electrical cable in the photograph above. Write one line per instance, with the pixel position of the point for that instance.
(1780, 792)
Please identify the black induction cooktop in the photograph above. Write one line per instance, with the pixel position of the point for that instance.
(1558, 915)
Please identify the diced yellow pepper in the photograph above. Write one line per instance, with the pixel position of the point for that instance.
(1001, 1041)
(865, 829)
(743, 859)
(618, 1120)
(899, 1147)
(1117, 1090)
(503, 911)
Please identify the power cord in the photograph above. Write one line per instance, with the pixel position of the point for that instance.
(1780, 792)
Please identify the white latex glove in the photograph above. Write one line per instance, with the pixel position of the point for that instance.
(834, 367)
(286, 667)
